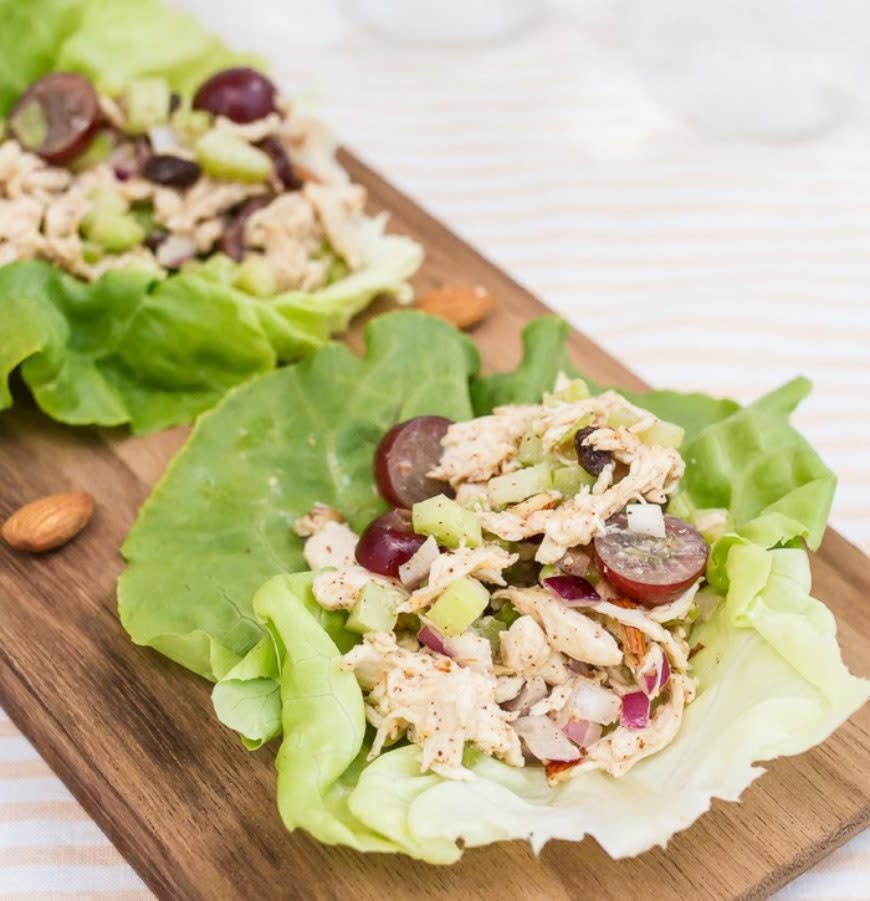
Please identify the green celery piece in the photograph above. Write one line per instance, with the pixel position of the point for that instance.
(115, 232)
(189, 125)
(446, 521)
(514, 487)
(146, 103)
(531, 449)
(622, 416)
(374, 610)
(507, 614)
(459, 605)
(256, 276)
(570, 479)
(225, 155)
(666, 434)
(575, 390)
(95, 153)
(489, 627)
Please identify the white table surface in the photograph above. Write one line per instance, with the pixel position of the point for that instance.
(720, 265)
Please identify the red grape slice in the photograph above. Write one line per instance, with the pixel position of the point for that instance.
(387, 543)
(406, 453)
(650, 570)
(241, 94)
(56, 117)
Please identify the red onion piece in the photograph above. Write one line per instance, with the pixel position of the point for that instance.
(572, 591)
(175, 250)
(635, 710)
(433, 640)
(651, 681)
(576, 730)
(545, 740)
(665, 676)
(594, 703)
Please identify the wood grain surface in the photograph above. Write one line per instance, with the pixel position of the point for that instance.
(135, 739)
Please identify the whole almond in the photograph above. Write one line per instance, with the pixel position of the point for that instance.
(48, 522)
(463, 305)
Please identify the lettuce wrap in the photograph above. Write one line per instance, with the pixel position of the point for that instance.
(131, 348)
(216, 582)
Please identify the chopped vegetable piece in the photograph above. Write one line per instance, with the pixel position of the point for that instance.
(665, 434)
(531, 449)
(113, 231)
(146, 102)
(459, 606)
(387, 543)
(256, 276)
(570, 479)
(622, 417)
(404, 458)
(98, 151)
(374, 610)
(190, 125)
(575, 390)
(517, 486)
(224, 155)
(447, 522)
(507, 614)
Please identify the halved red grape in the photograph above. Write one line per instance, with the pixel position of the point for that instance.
(404, 457)
(387, 543)
(56, 117)
(650, 570)
(241, 94)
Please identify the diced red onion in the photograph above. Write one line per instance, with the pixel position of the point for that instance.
(572, 591)
(545, 740)
(635, 710)
(665, 676)
(124, 161)
(651, 681)
(432, 639)
(594, 703)
(533, 691)
(582, 732)
(175, 250)
(414, 571)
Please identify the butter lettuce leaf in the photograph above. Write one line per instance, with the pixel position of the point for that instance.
(770, 678)
(133, 349)
(218, 524)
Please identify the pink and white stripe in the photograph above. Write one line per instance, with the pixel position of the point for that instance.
(725, 267)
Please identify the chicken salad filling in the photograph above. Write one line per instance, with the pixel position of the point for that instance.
(238, 182)
(526, 595)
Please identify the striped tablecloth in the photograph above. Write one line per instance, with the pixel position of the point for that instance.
(723, 266)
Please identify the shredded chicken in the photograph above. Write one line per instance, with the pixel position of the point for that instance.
(526, 652)
(485, 563)
(438, 703)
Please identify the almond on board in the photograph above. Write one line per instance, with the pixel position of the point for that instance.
(48, 522)
(463, 305)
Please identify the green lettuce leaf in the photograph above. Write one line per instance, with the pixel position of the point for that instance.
(770, 678)
(131, 349)
(770, 683)
(218, 524)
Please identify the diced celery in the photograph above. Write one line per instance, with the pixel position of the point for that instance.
(224, 155)
(570, 479)
(622, 416)
(531, 449)
(575, 390)
(460, 604)
(256, 276)
(374, 610)
(337, 270)
(666, 434)
(143, 213)
(114, 232)
(189, 125)
(107, 200)
(92, 253)
(490, 628)
(30, 125)
(146, 103)
(217, 268)
(95, 153)
(507, 614)
(517, 486)
(446, 521)
(409, 622)
(565, 444)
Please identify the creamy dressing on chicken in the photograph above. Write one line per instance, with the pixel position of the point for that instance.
(553, 671)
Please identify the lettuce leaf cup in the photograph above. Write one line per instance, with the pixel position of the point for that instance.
(170, 225)
(217, 581)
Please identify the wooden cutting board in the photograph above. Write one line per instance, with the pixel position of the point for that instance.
(135, 739)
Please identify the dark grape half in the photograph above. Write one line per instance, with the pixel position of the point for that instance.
(56, 117)
(387, 543)
(648, 569)
(405, 455)
(241, 94)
